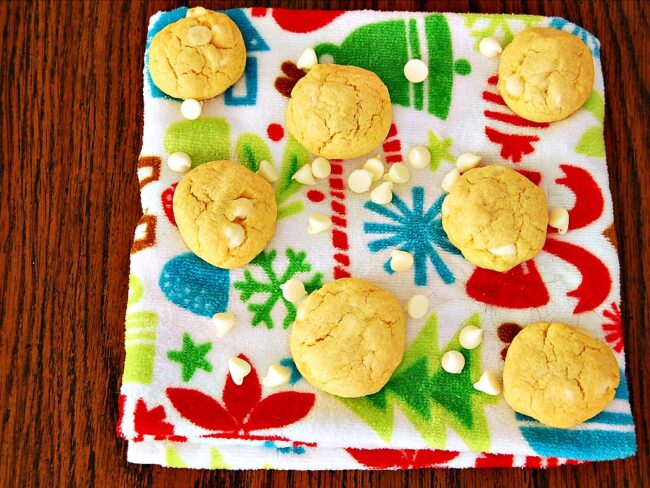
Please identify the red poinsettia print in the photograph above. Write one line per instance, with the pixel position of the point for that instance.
(242, 408)
(612, 329)
(167, 199)
(402, 458)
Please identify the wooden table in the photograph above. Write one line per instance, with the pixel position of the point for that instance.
(71, 119)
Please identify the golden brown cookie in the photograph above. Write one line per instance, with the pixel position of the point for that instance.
(349, 337)
(545, 74)
(559, 375)
(198, 57)
(225, 213)
(496, 217)
(339, 112)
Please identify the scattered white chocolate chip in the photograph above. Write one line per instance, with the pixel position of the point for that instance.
(267, 171)
(191, 109)
(276, 375)
(223, 321)
(239, 369)
(490, 47)
(307, 59)
(383, 193)
(470, 337)
(304, 175)
(235, 235)
(453, 362)
(293, 290)
(375, 167)
(558, 218)
(467, 161)
(488, 383)
(179, 162)
(360, 180)
(417, 306)
(449, 180)
(507, 250)
(398, 173)
(199, 35)
(321, 168)
(318, 223)
(239, 209)
(515, 85)
(419, 157)
(416, 71)
(401, 260)
(196, 12)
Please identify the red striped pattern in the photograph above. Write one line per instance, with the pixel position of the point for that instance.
(339, 222)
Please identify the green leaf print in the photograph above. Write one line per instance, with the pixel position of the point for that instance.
(250, 150)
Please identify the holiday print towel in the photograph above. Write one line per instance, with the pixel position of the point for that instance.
(179, 406)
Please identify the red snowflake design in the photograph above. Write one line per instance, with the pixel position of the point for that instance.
(243, 409)
(402, 458)
(613, 329)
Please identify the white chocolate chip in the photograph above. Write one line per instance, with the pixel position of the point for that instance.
(383, 193)
(293, 290)
(199, 35)
(318, 223)
(239, 209)
(515, 85)
(453, 362)
(222, 37)
(470, 337)
(417, 306)
(223, 321)
(416, 71)
(490, 47)
(321, 168)
(558, 218)
(375, 167)
(239, 369)
(196, 12)
(467, 161)
(401, 260)
(301, 310)
(449, 180)
(267, 171)
(276, 375)
(360, 180)
(307, 59)
(235, 235)
(488, 383)
(398, 173)
(304, 175)
(179, 162)
(507, 250)
(191, 109)
(558, 99)
(419, 157)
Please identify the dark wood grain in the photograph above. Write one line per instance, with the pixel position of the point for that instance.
(71, 120)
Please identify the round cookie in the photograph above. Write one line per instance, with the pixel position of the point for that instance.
(183, 67)
(493, 207)
(339, 112)
(545, 74)
(559, 375)
(349, 337)
(225, 213)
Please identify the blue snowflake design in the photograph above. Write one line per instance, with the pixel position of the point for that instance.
(285, 450)
(587, 37)
(415, 231)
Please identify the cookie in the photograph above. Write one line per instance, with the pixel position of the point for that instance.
(496, 217)
(225, 213)
(559, 375)
(339, 112)
(545, 74)
(349, 337)
(197, 57)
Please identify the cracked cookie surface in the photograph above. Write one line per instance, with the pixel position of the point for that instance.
(559, 375)
(545, 74)
(349, 337)
(491, 207)
(217, 196)
(183, 69)
(339, 112)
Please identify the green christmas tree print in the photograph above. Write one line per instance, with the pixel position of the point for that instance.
(499, 26)
(251, 286)
(430, 398)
